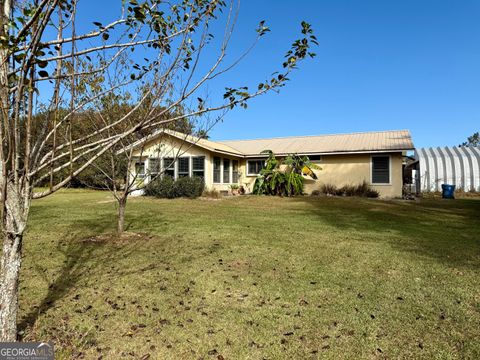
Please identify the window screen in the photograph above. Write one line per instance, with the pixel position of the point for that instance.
(235, 171)
(169, 167)
(254, 166)
(183, 166)
(140, 169)
(198, 166)
(380, 169)
(315, 157)
(153, 167)
(216, 169)
(226, 171)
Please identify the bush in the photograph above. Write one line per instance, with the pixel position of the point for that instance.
(191, 187)
(328, 189)
(361, 190)
(370, 193)
(167, 188)
(211, 193)
(161, 188)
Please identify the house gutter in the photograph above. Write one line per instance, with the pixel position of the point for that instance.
(331, 153)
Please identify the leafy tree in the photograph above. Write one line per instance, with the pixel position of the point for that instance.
(202, 134)
(284, 177)
(45, 58)
(473, 140)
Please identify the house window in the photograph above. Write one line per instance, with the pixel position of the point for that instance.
(226, 171)
(380, 169)
(169, 167)
(315, 157)
(216, 169)
(254, 167)
(183, 167)
(154, 167)
(140, 169)
(235, 171)
(198, 166)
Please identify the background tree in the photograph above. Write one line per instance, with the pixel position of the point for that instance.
(117, 169)
(44, 59)
(473, 140)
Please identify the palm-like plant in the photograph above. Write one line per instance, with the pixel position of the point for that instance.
(273, 180)
(302, 165)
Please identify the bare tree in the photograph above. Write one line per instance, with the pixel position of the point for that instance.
(123, 178)
(163, 42)
(118, 170)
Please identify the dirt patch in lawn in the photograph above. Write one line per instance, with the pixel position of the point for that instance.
(125, 237)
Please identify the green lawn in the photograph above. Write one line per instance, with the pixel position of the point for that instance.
(253, 278)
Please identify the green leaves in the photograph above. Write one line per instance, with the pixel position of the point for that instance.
(237, 96)
(283, 178)
(42, 64)
(300, 48)
(262, 29)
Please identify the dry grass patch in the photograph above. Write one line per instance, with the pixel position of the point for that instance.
(252, 278)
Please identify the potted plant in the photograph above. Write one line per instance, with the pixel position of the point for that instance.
(234, 189)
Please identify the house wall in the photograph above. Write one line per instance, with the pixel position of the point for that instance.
(353, 169)
(349, 169)
(338, 170)
(168, 146)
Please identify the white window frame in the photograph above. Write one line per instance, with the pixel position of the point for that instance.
(248, 171)
(316, 161)
(220, 169)
(192, 171)
(231, 171)
(159, 170)
(144, 174)
(389, 169)
(189, 174)
(164, 169)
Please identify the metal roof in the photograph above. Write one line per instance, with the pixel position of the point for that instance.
(366, 142)
(381, 141)
(194, 140)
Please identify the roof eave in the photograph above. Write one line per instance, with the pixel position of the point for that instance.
(334, 152)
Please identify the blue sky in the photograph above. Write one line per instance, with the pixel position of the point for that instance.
(381, 65)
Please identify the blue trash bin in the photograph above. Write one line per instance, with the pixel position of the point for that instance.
(448, 191)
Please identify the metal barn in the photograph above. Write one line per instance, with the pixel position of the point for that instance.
(458, 166)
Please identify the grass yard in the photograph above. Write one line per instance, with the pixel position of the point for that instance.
(253, 278)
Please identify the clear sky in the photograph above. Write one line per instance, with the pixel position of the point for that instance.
(381, 65)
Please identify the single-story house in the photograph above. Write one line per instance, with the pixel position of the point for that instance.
(345, 159)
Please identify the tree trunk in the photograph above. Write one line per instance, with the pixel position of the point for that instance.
(122, 204)
(11, 261)
(13, 226)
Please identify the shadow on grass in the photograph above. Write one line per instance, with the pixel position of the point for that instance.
(82, 256)
(445, 230)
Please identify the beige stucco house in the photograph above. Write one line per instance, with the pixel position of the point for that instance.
(374, 157)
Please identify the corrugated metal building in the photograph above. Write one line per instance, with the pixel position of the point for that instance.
(458, 166)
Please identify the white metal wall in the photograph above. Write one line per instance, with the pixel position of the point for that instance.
(458, 166)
